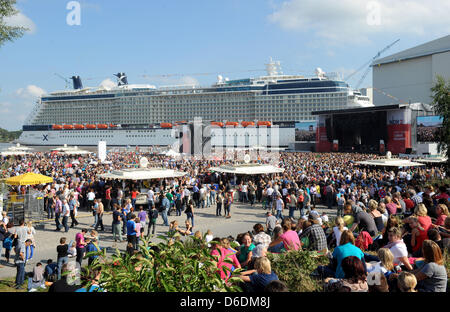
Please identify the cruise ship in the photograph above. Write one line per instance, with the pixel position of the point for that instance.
(144, 115)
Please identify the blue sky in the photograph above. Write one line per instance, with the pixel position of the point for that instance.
(232, 38)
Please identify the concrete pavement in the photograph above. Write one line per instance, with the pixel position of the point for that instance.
(243, 217)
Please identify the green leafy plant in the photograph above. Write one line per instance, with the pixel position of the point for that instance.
(174, 267)
(295, 268)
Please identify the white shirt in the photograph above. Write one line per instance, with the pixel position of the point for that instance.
(399, 250)
(91, 196)
(150, 195)
(279, 204)
(338, 234)
(269, 191)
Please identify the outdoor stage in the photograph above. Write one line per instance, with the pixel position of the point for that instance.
(370, 129)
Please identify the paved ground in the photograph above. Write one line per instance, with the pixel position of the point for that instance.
(243, 217)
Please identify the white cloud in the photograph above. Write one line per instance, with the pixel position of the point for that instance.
(188, 80)
(107, 84)
(21, 20)
(30, 92)
(350, 21)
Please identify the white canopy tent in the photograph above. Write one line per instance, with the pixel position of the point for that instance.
(390, 163)
(247, 169)
(143, 174)
(430, 160)
(16, 150)
(65, 150)
(15, 153)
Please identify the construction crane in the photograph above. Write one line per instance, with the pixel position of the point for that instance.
(68, 82)
(367, 65)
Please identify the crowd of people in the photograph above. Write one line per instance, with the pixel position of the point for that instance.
(388, 221)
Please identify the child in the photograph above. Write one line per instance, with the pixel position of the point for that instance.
(418, 235)
(72, 252)
(50, 271)
(209, 237)
(338, 229)
(406, 282)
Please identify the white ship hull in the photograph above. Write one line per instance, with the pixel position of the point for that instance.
(226, 137)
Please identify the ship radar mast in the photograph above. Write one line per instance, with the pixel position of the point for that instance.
(273, 68)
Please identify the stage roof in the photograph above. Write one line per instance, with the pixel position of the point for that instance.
(390, 163)
(247, 169)
(413, 106)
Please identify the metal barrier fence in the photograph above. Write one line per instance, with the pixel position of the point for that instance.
(29, 207)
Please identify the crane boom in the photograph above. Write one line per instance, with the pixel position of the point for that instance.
(370, 62)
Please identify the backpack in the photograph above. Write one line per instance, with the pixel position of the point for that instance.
(8, 243)
(288, 199)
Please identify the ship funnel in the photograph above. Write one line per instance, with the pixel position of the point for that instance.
(121, 79)
(77, 82)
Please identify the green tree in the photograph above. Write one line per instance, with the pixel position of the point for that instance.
(441, 103)
(9, 33)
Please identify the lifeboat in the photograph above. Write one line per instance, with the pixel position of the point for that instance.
(79, 127)
(57, 127)
(89, 126)
(102, 126)
(264, 123)
(247, 123)
(68, 127)
(232, 123)
(218, 124)
(166, 125)
(112, 126)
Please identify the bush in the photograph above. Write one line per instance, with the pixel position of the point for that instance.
(174, 267)
(295, 267)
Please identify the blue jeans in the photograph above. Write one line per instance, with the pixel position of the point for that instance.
(50, 213)
(61, 262)
(190, 217)
(325, 271)
(279, 214)
(29, 251)
(20, 277)
(291, 212)
(164, 216)
(32, 284)
(58, 224)
(150, 204)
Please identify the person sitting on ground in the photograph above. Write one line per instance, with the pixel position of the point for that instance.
(224, 256)
(418, 235)
(406, 282)
(245, 252)
(276, 286)
(345, 249)
(188, 230)
(316, 235)
(385, 265)
(354, 280)
(398, 248)
(51, 271)
(261, 241)
(432, 276)
(421, 213)
(256, 280)
(377, 217)
(435, 236)
(68, 282)
(338, 229)
(37, 279)
(289, 238)
(442, 214)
